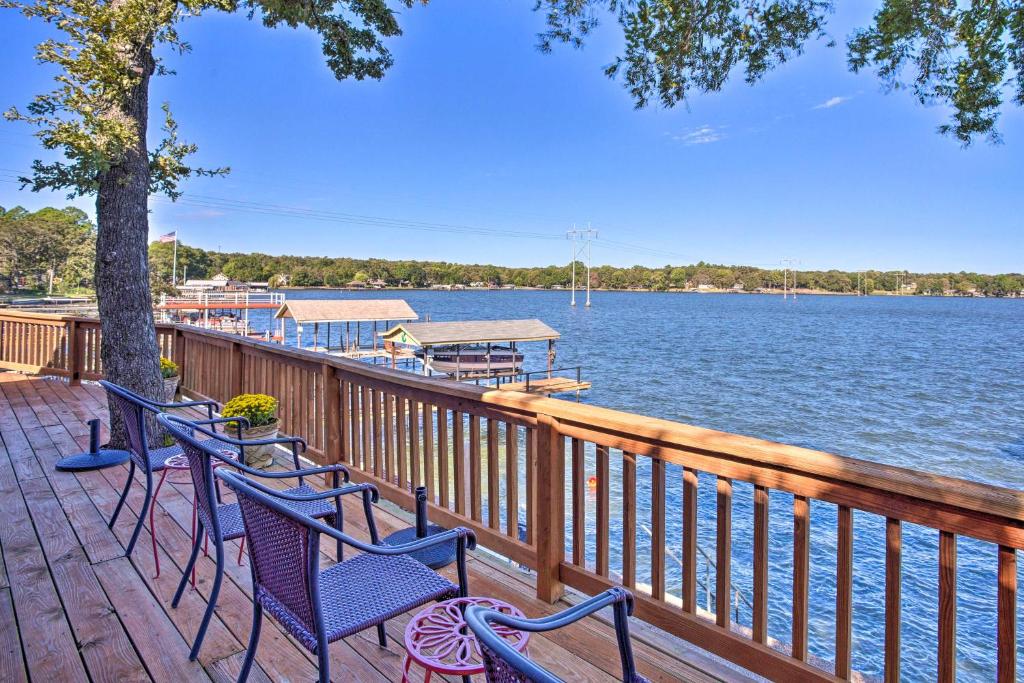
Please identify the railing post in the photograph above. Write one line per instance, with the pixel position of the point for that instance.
(74, 364)
(550, 504)
(332, 414)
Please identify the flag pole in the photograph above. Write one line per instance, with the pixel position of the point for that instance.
(174, 267)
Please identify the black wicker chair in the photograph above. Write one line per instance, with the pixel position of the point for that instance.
(317, 606)
(504, 664)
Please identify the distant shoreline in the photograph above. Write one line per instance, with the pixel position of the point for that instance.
(771, 292)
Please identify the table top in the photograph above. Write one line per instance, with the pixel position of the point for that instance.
(438, 638)
(180, 461)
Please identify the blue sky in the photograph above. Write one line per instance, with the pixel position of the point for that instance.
(474, 127)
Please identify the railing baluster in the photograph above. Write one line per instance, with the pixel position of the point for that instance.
(346, 427)
(759, 618)
(402, 443)
(461, 485)
(1007, 620)
(354, 421)
(531, 485)
(723, 553)
(893, 579)
(474, 467)
(628, 520)
(493, 475)
(579, 504)
(603, 500)
(389, 438)
(443, 451)
(415, 478)
(428, 450)
(801, 561)
(366, 413)
(658, 529)
(378, 446)
(844, 591)
(689, 540)
(947, 607)
(511, 480)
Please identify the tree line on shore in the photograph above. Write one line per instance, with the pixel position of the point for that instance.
(317, 271)
(49, 249)
(60, 244)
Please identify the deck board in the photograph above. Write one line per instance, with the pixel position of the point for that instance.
(72, 607)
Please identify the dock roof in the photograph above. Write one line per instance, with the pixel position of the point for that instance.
(346, 310)
(470, 332)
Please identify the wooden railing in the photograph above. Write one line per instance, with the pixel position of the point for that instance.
(495, 460)
(58, 345)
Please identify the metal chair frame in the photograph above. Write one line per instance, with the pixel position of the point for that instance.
(140, 451)
(494, 647)
(276, 502)
(183, 431)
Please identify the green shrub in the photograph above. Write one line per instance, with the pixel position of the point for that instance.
(259, 409)
(168, 368)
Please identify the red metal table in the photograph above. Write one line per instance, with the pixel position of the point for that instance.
(179, 463)
(438, 639)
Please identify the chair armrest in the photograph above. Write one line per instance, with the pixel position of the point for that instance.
(319, 495)
(430, 541)
(479, 620)
(211, 406)
(220, 420)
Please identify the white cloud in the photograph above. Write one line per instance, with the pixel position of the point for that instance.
(832, 102)
(700, 136)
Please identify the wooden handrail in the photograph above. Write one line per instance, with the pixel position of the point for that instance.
(471, 445)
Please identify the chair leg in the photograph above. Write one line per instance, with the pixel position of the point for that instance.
(142, 514)
(382, 635)
(189, 569)
(324, 664)
(254, 639)
(124, 494)
(211, 602)
(152, 522)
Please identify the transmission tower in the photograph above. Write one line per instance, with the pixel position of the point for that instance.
(581, 249)
(789, 276)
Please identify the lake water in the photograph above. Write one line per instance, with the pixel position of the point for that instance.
(932, 384)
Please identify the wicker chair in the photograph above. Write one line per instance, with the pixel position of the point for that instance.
(503, 664)
(223, 522)
(317, 606)
(134, 410)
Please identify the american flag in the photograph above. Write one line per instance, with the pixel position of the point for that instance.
(169, 237)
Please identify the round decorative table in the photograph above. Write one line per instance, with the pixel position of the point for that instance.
(179, 463)
(438, 639)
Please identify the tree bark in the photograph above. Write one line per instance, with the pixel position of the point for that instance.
(128, 351)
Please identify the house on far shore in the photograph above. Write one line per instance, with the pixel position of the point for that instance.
(219, 283)
(738, 287)
(705, 287)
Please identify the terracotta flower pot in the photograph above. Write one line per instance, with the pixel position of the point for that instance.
(260, 456)
(170, 387)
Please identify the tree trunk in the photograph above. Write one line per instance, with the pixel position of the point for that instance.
(129, 349)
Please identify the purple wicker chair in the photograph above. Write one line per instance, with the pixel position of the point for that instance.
(317, 606)
(134, 410)
(504, 664)
(223, 522)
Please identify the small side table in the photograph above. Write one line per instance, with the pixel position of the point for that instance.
(438, 639)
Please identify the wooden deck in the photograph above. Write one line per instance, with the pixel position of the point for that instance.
(73, 608)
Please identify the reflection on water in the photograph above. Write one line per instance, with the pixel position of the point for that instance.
(932, 384)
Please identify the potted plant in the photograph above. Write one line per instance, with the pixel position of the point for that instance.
(169, 371)
(260, 412)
